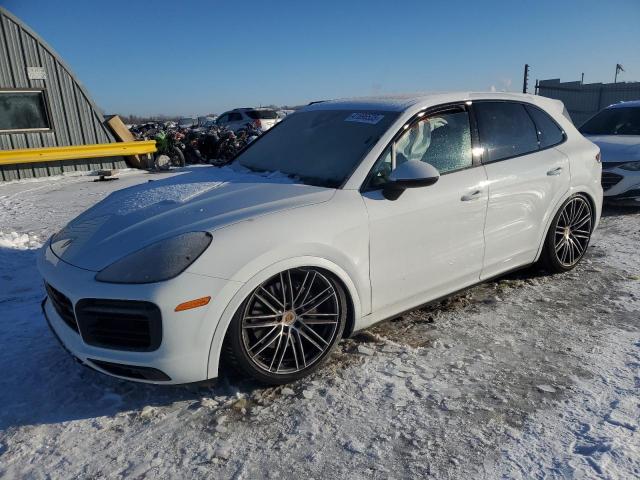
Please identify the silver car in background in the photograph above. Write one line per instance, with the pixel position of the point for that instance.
(239, 118)
(616, 130)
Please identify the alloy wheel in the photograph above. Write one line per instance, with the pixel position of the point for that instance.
(573, 231)
(290, 321)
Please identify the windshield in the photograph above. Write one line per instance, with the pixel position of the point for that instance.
(614, 121)
(320, 147)
(262, 114)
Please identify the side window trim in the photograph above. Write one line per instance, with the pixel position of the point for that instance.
(482, 156)
(462, 106)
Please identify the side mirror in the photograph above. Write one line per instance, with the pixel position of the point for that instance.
(411, 174)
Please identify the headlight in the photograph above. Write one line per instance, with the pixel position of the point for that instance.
(633, 166)
(159, 261)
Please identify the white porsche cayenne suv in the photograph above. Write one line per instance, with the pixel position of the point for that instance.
(344, 214)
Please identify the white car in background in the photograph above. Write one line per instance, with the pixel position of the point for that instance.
(261, 118)
(187, 122)
(348, 213)
(616, 130)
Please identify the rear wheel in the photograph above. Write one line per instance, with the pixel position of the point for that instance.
(569, 235)
(287, 326)
(177, 157)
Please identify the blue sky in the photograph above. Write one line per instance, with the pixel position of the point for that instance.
(194, 57)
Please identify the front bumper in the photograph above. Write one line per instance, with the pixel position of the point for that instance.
(626, 187)
(183, 354)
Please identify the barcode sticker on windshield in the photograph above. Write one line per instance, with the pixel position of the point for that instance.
(371, 118)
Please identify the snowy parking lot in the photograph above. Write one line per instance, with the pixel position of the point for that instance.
(527, 376)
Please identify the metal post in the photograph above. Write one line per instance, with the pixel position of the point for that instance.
(582, 79)
(526, 78)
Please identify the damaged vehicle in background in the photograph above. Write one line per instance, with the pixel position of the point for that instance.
(616, 130)
(348, 213)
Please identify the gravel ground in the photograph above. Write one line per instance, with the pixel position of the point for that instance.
(527, 376)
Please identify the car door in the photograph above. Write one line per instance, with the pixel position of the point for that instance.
(526, 179)
(429, 241)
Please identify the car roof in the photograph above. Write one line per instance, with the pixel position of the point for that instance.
(628, 104)
(249, 109)
(400, 103)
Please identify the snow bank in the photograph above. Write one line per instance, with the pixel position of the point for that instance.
(19, 241)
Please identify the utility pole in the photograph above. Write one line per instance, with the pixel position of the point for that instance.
(582, 78)
(525, 80)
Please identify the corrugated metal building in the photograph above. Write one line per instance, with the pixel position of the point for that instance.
(583, 100)
(42, 104)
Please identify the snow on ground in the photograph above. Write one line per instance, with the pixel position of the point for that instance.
(528, 376)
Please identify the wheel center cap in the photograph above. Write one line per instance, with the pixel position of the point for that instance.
(289, 318)
(567, 232)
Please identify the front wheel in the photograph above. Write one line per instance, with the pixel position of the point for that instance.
(287, 326)
(569, 235)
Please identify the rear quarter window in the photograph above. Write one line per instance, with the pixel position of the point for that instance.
(549, 133)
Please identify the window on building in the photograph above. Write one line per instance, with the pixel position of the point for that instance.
(23, 110)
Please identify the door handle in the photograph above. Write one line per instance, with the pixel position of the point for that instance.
(471, 196)
(554, 172)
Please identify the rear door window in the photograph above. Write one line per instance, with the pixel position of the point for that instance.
(549, 133)
(505, 129)
(262, 114)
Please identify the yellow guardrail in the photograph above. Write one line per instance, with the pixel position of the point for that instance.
(77, 152)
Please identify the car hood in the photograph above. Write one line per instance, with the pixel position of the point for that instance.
(202, 199)
(617, 148)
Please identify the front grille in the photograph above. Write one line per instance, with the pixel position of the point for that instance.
(132, 371)
(610, 179)
(62, 305)
(120, 324)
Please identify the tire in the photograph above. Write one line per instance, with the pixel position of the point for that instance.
(287, 327)
(177, 157)
(569, 234)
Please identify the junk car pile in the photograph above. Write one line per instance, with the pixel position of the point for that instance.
(212, 141)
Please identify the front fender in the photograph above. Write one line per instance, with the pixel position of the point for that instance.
(243, 292)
